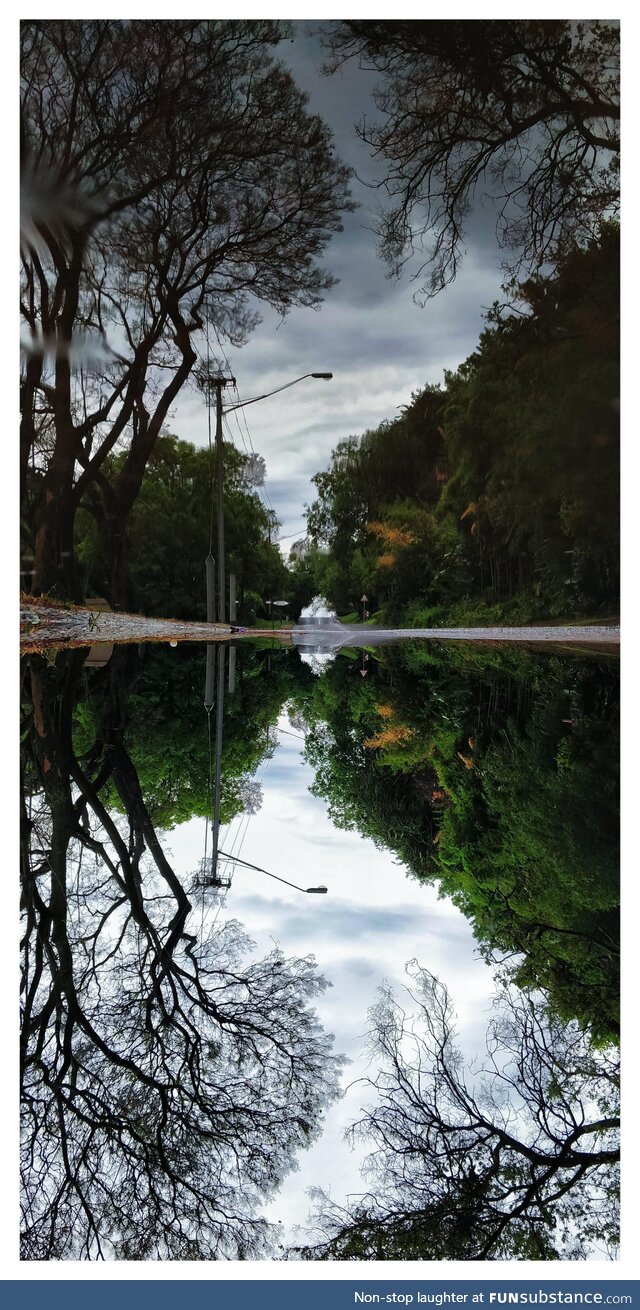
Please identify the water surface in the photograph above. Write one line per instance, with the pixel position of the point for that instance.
(460, 806)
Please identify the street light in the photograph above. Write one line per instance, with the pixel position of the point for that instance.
(326, 377)
(217, 383)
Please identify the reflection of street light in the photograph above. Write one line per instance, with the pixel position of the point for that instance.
(246, 865)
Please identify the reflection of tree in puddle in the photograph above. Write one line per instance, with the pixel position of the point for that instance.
(516, 1158)
(168, 1079)
(496, 775)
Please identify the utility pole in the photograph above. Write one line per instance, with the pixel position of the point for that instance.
(218, 383)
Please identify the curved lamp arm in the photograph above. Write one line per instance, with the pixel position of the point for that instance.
(246, 865)
(241, 404)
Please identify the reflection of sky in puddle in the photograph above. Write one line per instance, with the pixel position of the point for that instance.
(374, 918)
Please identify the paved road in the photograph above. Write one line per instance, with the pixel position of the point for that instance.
(51, 625)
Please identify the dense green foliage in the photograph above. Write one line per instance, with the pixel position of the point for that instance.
(495, 775)
(168, 531)
(496, 495)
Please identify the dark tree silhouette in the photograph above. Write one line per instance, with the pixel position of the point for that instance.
(202, 187)
(168, 1078)
(515, 1158)
(526, 110)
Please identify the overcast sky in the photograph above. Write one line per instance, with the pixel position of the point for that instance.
(369, 333)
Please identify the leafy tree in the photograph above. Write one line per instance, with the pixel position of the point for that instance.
(398, 460)
(514, 1159)
(506, 482)
(531, 427)
(340, 710)
(209, 189)
(420, 556)
(527, 109)
(529, 846)
(255, 471)
(170, 525)
(168, 1078)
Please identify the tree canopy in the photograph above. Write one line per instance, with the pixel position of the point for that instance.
(205, 187)
(170, 524)
(524, 111)
(165, 728)
(500, 490)
(494, 775)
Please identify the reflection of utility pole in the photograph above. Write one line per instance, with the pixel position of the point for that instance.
(209, 678)
(208, 876)
(217, 773)
(232, 619)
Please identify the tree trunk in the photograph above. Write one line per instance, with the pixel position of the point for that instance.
(54, 563)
